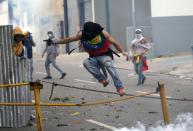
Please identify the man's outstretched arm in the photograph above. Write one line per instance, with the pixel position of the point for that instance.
(69, 39)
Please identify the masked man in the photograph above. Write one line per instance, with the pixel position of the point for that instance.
(52, 53)
(96, 43)
(139, 47)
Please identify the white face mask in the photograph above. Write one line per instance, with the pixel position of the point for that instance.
(50, 36)
(138, 36)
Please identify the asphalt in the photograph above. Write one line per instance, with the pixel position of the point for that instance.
(175, 71)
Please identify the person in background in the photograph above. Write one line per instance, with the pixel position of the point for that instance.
(28, 42)
(138, 49)
(96, 43)
(52, 52)
(18, 48)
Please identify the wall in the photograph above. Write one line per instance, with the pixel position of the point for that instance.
(122, 16)
(172, 35)
(3, 13)
(172, 26)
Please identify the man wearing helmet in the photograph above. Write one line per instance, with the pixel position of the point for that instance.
(139, 47)
(96, 43)
(17, 45)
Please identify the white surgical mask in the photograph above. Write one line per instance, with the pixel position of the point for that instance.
(138, 36)
(50, 36)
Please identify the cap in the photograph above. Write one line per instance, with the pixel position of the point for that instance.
(138, 31)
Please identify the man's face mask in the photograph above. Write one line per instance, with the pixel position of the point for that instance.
(138, 36)
(18, 38)
(96, 39)
(138, 33)
(50, 35)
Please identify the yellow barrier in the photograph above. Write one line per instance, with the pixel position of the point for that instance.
(14, 85)
(164, 104)
(36, 87)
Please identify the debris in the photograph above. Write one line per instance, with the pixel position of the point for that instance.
(56, 99)
(61, 99)
(119, 110)
(117, 116)
(60, 125)
(152, 112)
(30, 124)
(57, 118)
(75, 113)
(85, 113)
(82, 98)
(77, 123)
(44, 119)
(93, 129)
(65, 99)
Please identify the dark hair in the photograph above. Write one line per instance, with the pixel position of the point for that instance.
(91, 30)
(50, 32)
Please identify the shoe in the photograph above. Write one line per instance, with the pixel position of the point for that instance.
(143, 80)
(48, 77)
(63, 75)
(139, 83)
(121, 91)
(104, 82)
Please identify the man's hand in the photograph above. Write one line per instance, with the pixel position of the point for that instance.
(125, 54)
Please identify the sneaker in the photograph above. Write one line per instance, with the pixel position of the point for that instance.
(63, 75)
(139, 83)
(104, 82)
(48, 77)
(121, 91)
(143, 80)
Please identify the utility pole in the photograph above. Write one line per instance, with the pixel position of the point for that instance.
(107, 16)
(81, 12)
(10, 12)
(133, 13)
(66, 24)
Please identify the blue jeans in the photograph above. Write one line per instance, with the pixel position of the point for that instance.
(95, 64)
(138, 69)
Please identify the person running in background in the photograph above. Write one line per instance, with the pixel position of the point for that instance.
(29, 44)
(52, 52)
(139, 47)
(96, 43)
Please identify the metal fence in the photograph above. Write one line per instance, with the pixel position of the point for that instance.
(12, 70)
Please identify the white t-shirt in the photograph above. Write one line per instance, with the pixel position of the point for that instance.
(137, 47)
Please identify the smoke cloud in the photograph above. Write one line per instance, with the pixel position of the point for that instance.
(183, 122)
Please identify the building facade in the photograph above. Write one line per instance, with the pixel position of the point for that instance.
(167, 25)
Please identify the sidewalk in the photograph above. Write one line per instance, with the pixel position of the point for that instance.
(180, 66)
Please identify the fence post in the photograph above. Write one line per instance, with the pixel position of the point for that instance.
(36, 86)
(164, 104)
